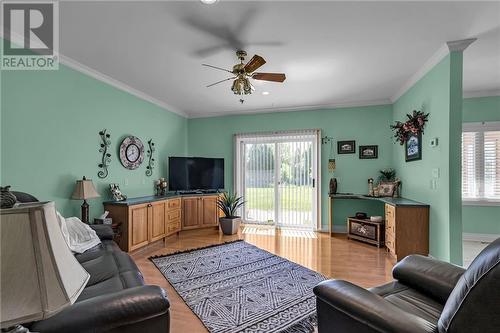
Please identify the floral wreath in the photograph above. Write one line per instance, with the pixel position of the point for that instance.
(414, 125)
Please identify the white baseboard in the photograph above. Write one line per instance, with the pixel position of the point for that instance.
(340, 229)
(488, 238)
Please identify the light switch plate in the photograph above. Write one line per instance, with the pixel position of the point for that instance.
(433, 142)
(435, 173)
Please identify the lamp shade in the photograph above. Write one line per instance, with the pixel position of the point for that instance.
(84, 189)
(39, 274)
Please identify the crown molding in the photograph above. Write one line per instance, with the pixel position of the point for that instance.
(69, 62)
(428, 65)
(460, 45)
(443, 51)
(72, 63)
(350, 104)
(481, 93)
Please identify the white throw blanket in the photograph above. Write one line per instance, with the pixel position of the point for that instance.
(78, 235)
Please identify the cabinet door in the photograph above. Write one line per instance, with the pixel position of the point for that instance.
(210, 213)
(190, 213)
(157, 211)
(138, 227)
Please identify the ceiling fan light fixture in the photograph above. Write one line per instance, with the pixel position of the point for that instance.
(247, 86)
(237, 87)
(209, 2)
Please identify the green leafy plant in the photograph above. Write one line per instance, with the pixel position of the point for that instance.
(229, 204)
(387, 175)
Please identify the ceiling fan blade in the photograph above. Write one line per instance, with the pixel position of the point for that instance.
(219, 68)
(275, 77)
(229, 78)
(254, 63)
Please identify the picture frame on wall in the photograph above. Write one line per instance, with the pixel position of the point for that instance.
(368, 152)
(346, 147)
(413, 148)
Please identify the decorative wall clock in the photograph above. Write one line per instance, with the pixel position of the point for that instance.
(131, 152)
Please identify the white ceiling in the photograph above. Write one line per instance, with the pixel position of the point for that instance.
(333, 53)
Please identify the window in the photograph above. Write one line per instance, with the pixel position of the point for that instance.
(481, 163)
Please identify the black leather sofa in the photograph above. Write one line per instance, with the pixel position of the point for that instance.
(427, 296)
(115, 298)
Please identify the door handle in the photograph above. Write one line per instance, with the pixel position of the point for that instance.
(314, 182)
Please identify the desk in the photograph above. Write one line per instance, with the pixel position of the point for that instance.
(406, 223)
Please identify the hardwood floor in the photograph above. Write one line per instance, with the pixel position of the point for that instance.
(336, 257)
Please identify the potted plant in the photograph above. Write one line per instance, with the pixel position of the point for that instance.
(229, 204)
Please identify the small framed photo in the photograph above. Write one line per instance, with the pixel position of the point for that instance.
(413, 148)
(346, 147)
(368, 152)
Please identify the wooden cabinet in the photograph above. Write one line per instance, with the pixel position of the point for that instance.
(191, 213)
(174, 215)
(209, 211)
(158, 225)
(199, 212)
(406, 230)
(138, 227)
(145, 222)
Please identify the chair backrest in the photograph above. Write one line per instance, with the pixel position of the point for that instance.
(474, 303)
(24, 197)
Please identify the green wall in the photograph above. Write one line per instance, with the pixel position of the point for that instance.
(481, 219)
(366, 125)
(439, 93)
(49, 135)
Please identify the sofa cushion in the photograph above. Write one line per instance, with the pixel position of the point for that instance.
(410, 300)
(110, 269)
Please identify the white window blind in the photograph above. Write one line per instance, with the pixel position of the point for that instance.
(277, 173)
(481, 162)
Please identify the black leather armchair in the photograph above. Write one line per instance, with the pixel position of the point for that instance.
(427, 296)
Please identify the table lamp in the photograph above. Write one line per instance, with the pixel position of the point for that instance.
(84, 190)
(39, 275)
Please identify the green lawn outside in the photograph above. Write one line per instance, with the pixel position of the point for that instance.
(298, 198)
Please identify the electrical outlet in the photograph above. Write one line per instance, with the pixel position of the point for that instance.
(434, 184)
(125, 182)
(143, 181)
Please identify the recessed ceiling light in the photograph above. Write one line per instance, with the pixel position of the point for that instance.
(209, 2)
(265, 93)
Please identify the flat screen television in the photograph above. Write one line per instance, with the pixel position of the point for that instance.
(195, 173)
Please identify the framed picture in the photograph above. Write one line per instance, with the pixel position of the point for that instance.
(368, 152)
(346, 147)
(413, 148)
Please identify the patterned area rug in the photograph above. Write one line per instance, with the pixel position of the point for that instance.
(237, 287)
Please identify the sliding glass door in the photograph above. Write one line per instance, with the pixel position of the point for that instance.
(277, 175)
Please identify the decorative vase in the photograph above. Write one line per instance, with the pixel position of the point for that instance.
(7, 198)
(333, 185)
(370, 187)
(230, 225)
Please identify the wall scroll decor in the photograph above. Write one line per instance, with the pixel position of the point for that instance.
(106, 157)
(151, 162)
(411, 128)
(331, 159)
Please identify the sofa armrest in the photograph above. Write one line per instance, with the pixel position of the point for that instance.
(363, 310)
(106, 312)
(430, 276)
(103, 231)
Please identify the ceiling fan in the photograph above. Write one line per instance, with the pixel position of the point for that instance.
(242, 73)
